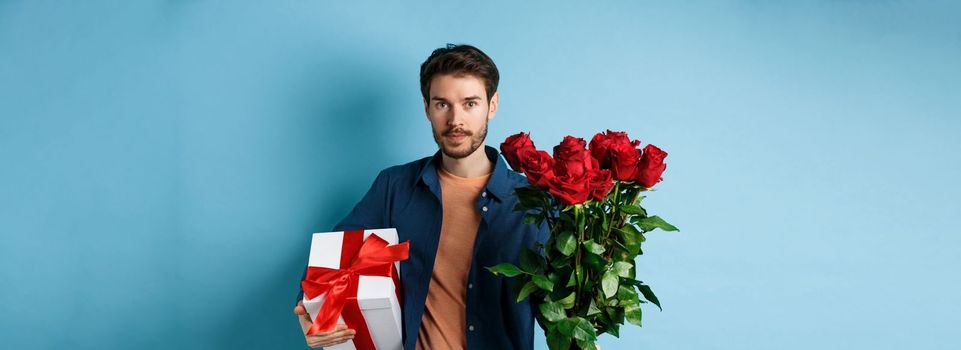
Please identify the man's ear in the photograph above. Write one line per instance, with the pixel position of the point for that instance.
(426, 110)
(493, 105)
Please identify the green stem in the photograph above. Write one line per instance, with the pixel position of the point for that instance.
(620, 219)
(615, 208)
(577, 255)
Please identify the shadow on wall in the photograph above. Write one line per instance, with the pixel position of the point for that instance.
(339, 110)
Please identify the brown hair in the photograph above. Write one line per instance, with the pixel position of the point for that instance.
(459, 60)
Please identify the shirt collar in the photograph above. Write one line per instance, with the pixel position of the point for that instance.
(498, 184)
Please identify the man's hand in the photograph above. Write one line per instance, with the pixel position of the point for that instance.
(339, 335)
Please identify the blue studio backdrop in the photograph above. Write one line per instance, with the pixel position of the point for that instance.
(162, 163)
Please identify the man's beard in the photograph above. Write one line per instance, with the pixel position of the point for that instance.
(475, 141)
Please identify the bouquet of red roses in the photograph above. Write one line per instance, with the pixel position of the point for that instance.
(584, 282)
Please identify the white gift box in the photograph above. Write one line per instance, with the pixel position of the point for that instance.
(375, 294)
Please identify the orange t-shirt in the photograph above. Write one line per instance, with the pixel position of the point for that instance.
(443, 325)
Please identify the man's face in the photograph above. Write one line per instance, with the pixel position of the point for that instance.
(458, 111)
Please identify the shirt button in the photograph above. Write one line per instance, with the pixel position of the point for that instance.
(484, 208)
(470, 328)
(470, 285)
(484, 194)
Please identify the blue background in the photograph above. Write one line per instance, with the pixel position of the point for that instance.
(163, 163)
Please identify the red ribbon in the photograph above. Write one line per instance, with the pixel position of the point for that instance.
(371, 257)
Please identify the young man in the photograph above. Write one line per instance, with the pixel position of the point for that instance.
(456, 209)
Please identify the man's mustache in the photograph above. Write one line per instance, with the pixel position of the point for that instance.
(458, 131)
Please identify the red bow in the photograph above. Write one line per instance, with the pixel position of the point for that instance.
(371, 257)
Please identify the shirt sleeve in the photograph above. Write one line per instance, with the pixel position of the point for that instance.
(370, 213)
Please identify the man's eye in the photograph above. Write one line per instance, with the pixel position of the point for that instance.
(471, 104)
(441, 105)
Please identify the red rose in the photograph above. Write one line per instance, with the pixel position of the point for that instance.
(571, 158)
(624, 158)
(651, 166)
(512, 147)
(573, 167)
(601, 184)
(602, 142)
(570, 190)
(537, 165)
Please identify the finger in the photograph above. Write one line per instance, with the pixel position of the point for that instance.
(314, 343)
(323, 337)
(338, 331)
(338, 340)
(343, 333)
(320, 341)
(337, 328)
(345, 337)
(300, 310)
(331, 336)
(329, 341)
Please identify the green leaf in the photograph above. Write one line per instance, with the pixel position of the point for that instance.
(616, 314)
(593, 247)
(650, 223)
(631, 239)
(572, 281)
(622, 254)
(649, 295)
(543, 283)
(592, 309)
(526, 291)
(632, 312)
(614, 330)
(568, 301)
(601, 320)
(530, 261)
(637, 201)
(507, 269)
(626, 294)
(553, 311)
(632, 210)
(624, 269)
(595, 262)
(529, 197)
(566, 243)
(638, 235)
(559, 262)
(554, 278)
(558, 341)
(609, 283)
(532, 218)
(578, 328)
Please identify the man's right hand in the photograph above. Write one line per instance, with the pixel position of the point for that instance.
(339, 335)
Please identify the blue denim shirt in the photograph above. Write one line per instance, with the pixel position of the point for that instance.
(408, 197)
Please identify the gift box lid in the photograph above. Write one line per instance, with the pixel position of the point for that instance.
(325, 246)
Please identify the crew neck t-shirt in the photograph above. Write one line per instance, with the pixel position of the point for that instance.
(443, 325)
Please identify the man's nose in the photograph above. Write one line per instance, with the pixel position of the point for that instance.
(456, 117)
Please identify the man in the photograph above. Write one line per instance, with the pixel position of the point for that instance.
(456, 209)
